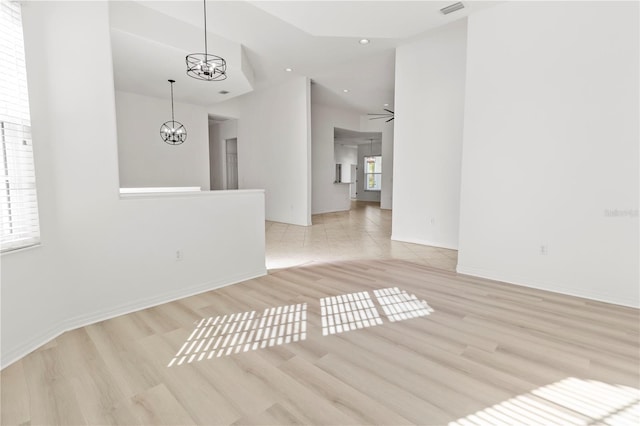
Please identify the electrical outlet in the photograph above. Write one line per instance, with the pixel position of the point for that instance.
(179, 255)
(544, 250)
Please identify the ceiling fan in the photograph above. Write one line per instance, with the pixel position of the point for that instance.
(389, 114)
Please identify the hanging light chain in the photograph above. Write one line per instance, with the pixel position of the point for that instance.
(206, 66)
(172, 116)
(205, 28)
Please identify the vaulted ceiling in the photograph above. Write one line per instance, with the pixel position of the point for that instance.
(260, 39)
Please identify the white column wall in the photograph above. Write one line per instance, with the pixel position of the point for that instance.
(551, 148)
(429, 107)
(274, 149)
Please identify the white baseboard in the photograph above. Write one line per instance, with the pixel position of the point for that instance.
(288, 223)
(346, 209)
(423, 242)
(554, 288)
(33, 343)
(14, 354)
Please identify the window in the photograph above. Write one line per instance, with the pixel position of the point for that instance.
(18, 204)
(373, 173)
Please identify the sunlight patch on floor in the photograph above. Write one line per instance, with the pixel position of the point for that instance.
(242, 332)
(398, 305)
(247, 331)
(348, 312)
(570, 401)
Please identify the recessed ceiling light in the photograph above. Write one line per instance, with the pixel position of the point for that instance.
(288, 69)
(386, 105)
(364, 41)
(345, 90)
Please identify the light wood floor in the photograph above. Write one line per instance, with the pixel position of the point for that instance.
(486, 353)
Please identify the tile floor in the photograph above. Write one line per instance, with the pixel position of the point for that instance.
(364, 232)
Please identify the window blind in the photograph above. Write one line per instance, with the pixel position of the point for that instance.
(18, 202)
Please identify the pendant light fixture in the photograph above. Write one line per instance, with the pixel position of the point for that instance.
(173, 132)
(205, 66)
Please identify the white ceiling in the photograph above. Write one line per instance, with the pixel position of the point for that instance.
(352, 138)
(370, 81)
(318, 39)
(371, 19)
(149, 48)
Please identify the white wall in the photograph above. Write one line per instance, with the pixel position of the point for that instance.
(219, 132)
(101, 255)
(551, 144)
(229, 109)
(274, 149)
(346, 155)
(366, 125)
(429, 106)
(327, 196)
(216, 155)
(144, 159)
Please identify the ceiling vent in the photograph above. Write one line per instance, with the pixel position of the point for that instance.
(223, 92)
(452, 8)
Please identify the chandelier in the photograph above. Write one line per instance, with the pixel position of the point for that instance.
(205, 66)
(173, 132)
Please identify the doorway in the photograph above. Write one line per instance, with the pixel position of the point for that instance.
(231, 149)
(359, 155)
(223, 153)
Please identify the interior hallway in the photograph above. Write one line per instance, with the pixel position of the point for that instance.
(364, 232)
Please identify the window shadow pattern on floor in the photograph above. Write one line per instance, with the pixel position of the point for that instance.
(398, 305)
(348, 312)
(243, 332)
(225, 335)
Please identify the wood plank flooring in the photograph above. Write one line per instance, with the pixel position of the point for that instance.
(488, 353)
